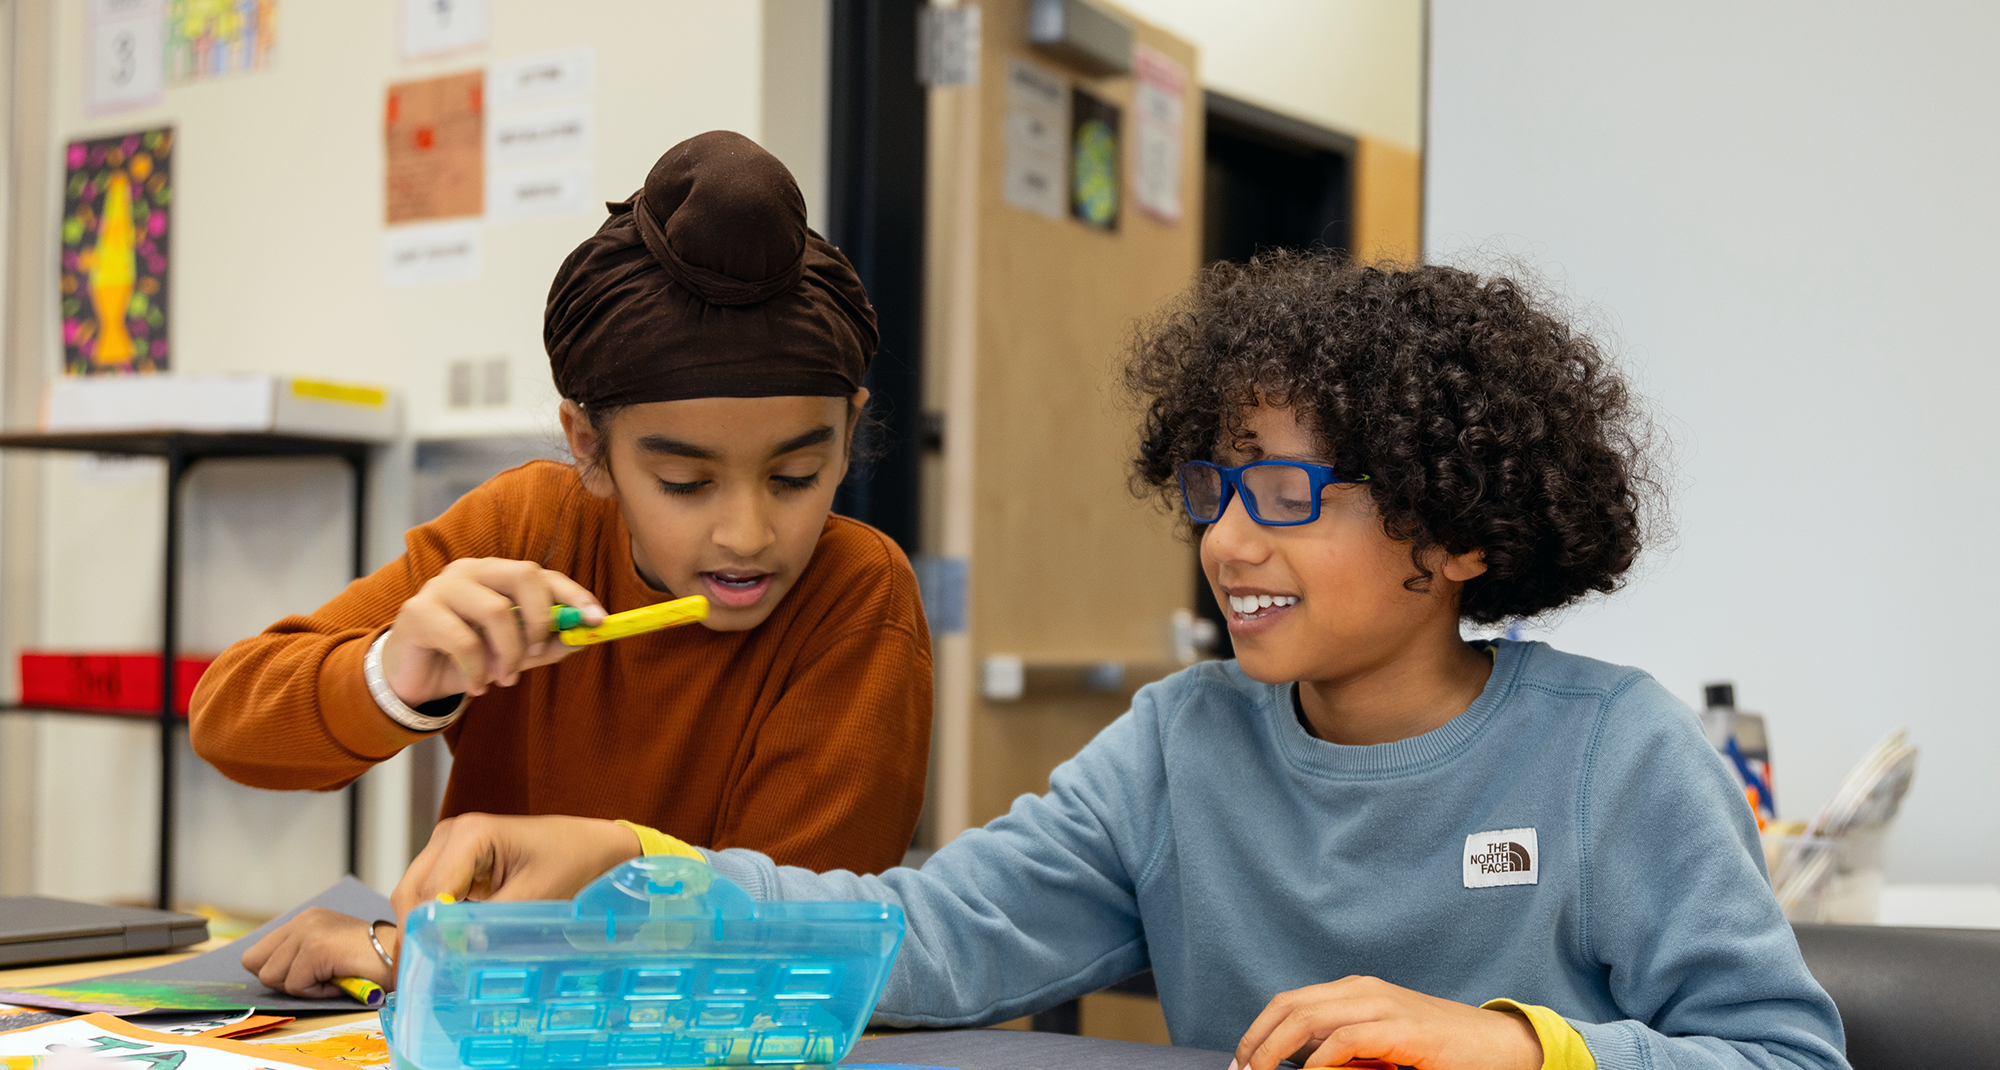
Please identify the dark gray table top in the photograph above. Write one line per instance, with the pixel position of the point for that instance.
(1013, 1049)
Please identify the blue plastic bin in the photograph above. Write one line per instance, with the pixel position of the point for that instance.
(659, 963)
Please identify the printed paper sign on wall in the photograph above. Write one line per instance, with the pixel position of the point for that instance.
(434, 27)
(208, 38)
(1037, 119)
(1158, 119)
(114, 253)
(541, 78)
(436, 134)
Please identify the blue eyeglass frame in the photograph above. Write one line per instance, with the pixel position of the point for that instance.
(1319, 477)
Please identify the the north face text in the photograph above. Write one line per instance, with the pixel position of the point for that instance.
(1501, 857)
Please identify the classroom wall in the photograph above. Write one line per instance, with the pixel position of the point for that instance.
(1353, 65)
(277, 268)
(1784, 215)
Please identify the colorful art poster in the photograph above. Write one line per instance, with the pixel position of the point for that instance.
(1095, 162)
(1158, 120)
(116, 205)
(436, 147)
(211, 38)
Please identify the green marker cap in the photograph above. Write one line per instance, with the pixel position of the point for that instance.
(566, 617)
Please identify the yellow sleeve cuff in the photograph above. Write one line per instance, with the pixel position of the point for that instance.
(1562, 1046)
(655, 842)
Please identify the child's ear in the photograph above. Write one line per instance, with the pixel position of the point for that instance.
(588, 449)
(1461, 567)
(856, 404)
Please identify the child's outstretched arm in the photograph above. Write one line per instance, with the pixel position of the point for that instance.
(1037, 907)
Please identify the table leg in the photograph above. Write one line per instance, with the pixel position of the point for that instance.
(178, 463)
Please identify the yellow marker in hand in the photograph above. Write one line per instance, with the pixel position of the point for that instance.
(571, 630)
(367, 992)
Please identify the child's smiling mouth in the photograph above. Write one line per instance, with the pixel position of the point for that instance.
(736, 588)
(1257, 606)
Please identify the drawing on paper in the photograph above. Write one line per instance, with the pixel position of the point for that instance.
(354, 1044)
(435, 132)
(211, 38)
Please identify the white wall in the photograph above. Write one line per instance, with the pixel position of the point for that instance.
(1788, 212)
(1352, 65)
(277, 268)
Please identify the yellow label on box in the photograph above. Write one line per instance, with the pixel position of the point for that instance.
(372, 397)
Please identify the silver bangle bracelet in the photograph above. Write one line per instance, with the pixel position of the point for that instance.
(395, 708)
(379, 949)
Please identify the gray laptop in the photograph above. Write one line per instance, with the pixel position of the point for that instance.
(34, 928)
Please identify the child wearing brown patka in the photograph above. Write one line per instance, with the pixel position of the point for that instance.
(709, 350)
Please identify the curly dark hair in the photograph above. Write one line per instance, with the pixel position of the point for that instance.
(1484, 420)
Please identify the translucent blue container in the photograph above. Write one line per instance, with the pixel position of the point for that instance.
(659, 963)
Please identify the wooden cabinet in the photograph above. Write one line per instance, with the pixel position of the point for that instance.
(1026, 319)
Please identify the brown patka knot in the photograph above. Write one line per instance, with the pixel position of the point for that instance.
(725, 219)
(707, 283)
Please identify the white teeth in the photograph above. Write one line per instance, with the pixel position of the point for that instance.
(1250, 605)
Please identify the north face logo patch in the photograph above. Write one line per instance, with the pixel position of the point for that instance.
(1505, 856)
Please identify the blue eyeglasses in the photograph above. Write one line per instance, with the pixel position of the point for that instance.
(1277, 494)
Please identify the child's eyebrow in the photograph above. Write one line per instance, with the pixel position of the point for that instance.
(673, 447)
(813, 437)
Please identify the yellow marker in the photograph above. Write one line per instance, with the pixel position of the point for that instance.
(366, 992)
(632, 622)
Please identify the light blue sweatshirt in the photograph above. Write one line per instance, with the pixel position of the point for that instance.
(1570, 840)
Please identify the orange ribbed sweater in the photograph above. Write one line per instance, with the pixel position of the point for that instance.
(806, 737)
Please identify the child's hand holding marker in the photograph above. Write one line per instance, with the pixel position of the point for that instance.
(309, 955)
(479, 622)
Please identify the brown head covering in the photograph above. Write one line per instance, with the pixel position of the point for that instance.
(707, 283)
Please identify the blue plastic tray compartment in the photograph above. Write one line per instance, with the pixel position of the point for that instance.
(699, 978)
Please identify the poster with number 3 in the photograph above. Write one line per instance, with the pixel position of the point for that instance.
(126, 54)
(434, 27)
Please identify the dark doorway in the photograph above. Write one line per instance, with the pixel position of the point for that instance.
(875, 207)
(1270, 182)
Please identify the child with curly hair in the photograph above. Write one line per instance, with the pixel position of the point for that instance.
(1364, 838)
